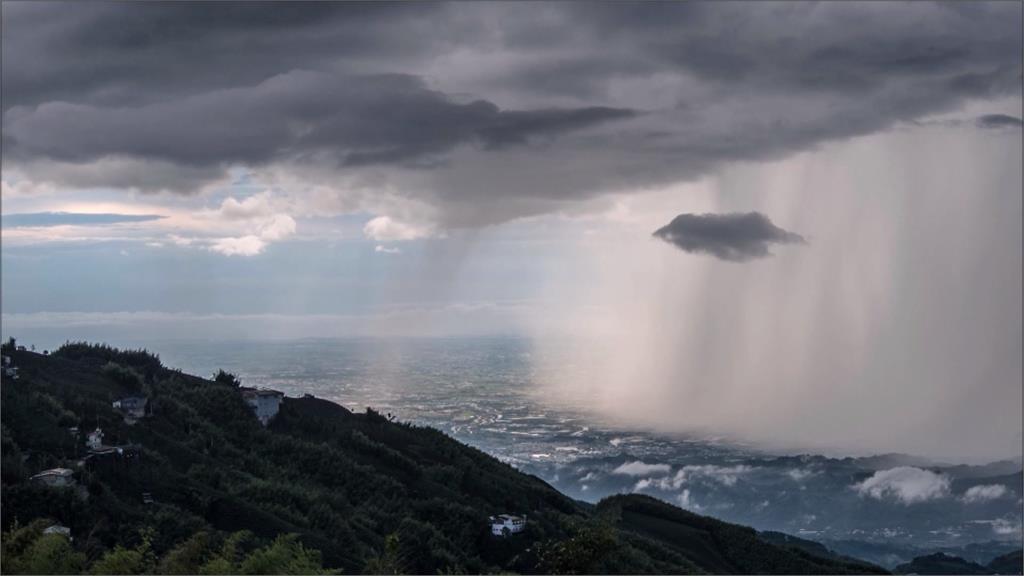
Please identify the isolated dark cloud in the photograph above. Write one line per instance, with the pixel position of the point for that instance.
(455, 98)
(736, 237)
(999, 121)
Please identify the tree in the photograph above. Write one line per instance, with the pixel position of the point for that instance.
(123, 375)
(123, 560)
(189, 556)
(227, 560)
(52, 554)
(389, 561)
(581, 553)
(224, 377)
(286, 555)
(26, 550)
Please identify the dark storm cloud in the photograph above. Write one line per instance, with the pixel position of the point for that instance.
(355, 119)
(115, 54)
(665, 91)
(801, 46)
(735, 237)
(999, 121)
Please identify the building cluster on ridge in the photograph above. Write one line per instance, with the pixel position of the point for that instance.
(265, 405)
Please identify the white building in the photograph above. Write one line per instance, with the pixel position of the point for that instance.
(95, 439)
(264, 403)
(55, 477)
(506, 524)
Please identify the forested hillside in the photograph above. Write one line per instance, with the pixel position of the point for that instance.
(200, 486)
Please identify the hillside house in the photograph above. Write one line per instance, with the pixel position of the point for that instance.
(507, 524)
(95, 440)
(131, 407)
(264, 403)
(57, 477)
(59, 529)
(9, 369)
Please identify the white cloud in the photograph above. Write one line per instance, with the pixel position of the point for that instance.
(1001, 526)
(984, 493)
(240, 246)
(235, 227)
(638, 468)
(277, 227)
(800, 474)
(906, 484)
(725, 475)
(256, 220)
(255, 206)
(386, 250)
(387, 229)
(686, 501)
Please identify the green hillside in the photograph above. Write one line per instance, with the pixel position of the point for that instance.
(202, 487)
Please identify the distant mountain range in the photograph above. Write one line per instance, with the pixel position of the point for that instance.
(940, 563)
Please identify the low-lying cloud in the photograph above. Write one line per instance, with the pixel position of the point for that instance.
(638, 468)
(691, 473)
(984, 493)
(905, 484)
(735, 237)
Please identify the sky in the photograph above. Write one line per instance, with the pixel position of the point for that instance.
(792, 222)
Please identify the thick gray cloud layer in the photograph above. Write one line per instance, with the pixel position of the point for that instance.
(355, 119)
(486, 112)
(736, 237)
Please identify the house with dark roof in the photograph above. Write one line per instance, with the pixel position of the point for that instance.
(132, 408)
